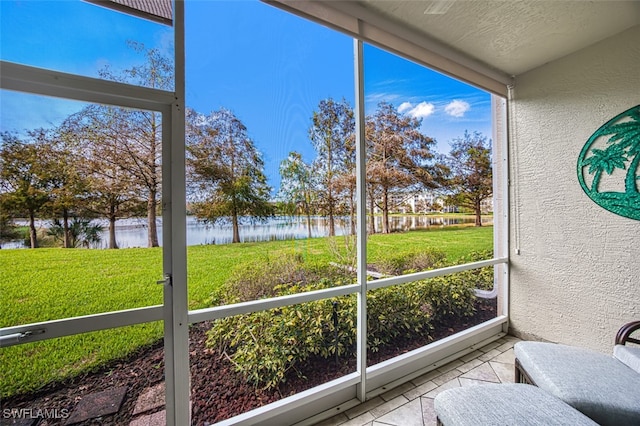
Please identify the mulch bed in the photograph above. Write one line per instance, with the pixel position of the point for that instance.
(217, 391)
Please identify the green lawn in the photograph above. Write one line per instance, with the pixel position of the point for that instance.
(46, 284)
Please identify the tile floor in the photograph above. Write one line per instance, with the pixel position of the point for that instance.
(412, 403)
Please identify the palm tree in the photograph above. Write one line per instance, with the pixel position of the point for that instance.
(606, 160)
(81, 232)
(626, 137)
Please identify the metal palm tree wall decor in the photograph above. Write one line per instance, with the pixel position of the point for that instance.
(608, 165)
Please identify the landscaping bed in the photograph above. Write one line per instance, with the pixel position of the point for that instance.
(217, 390)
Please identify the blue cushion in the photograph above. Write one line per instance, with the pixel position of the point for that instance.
(598, 385)
(504, 404)
(628, 355)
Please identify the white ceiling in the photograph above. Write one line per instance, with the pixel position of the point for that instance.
(513, 36)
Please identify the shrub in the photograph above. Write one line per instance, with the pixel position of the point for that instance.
(481, 278)
(397, 312)
(405, 263)
(451, 296)
(262, 278)
(265, 346)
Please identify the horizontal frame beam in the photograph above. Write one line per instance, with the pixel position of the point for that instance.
(84, 324)
(37, 81)
(266, 304)
(403, 279)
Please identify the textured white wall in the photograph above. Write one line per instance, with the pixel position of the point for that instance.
(577, 277)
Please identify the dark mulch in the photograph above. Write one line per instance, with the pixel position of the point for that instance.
(217, 391)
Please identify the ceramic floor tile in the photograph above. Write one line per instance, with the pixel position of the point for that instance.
(420, 390)
(507, 357)
(363, 419)
(429, 417)
(469, 365)
(389, 406)
(397, 391)
(443, 378)
(364, 407)
(505, 346)
(482, 372)
(505, 372)
(334, 421)
(489, 355)
(472, 382)
(426, 377)
(450, 366)
(491, 346)
(455, 383)
(409, 414)
(472, 355)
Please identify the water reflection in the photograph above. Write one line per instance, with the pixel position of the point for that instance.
(133, 232)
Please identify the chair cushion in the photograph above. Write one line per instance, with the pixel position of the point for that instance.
(598, 385)
(628, 355)
(504, 404)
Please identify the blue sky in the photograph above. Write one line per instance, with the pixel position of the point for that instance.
(270, 68)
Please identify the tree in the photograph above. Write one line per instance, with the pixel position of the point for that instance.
(98, 134)
(68, 187)
(142, 145)
(332, 128)
(346, 179)
(79, 232)
(398, 158)
(471, 178)
(297, 185)
(24, 178)
(226, 170)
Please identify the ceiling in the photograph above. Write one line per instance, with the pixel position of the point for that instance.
(512, 36)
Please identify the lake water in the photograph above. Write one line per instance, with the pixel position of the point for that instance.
(133, 232)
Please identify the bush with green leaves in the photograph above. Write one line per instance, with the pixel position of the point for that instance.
(451, 296)
(404, 263)
(397, 312)
(270, 277)
(265, 346)
(481, 278)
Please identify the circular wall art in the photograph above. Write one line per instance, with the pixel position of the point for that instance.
(608, 165)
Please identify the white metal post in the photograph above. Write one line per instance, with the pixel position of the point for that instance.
(177, 383)
(361, 217)
(506, 218)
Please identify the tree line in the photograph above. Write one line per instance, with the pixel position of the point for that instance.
(105, 162)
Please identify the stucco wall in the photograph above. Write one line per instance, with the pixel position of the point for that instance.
(577, 277)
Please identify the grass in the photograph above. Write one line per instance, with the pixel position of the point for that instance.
(47, 284)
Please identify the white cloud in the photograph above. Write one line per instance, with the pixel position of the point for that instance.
(422, 110)
(405, 106)
(457, 108)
